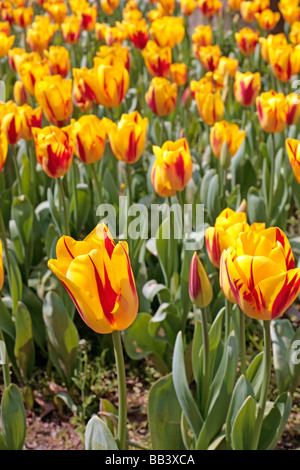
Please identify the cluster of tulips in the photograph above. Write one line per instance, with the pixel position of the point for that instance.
(112, 98)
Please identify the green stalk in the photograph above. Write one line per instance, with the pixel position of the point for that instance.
(272, 176)
(97, 182)
(242, 343)
(205, 382)
(122, 412)
(64, 206)
(73, 176)
(227, 317)
(5, 365)
(129, 183)
(3, 236)
(266, 381)
(17, 170)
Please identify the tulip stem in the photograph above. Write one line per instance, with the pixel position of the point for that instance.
(227, 317)
(122, 414)
(129, 183)
(242, 343)
(73, 176)
(97, 183)
(64, 206)
(5, 365)
(205, 382)
(3, 236)
(272, 175)
(266, 380)
(17, 171)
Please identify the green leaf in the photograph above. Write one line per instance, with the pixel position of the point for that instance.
(24, 345)
(6, 323)
(83, 201)
(98, 436)
(275, 421)
(16, 282)
(282, 333)
(182, 389)
(164, 415)
(213, 202)
(255, 373)
(243, 429)
(256, 207)
(13, 418)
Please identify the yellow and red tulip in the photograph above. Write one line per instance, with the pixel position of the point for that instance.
(3, 155)
(284, 61)
(29, 118)
(32, 69)
(227, 66)
(54, 95)
(267, 19)
(209, 56)
(5, 27)
(246, 87)
(23, 16)
(290, 11)
(57, 11)
(202, 36)
(20, 94)
(210, 106)
(114, 55)
(127, 138)
(112, 85)
(157, 59)
(138, 33)
(248, 10)
(71, 29)
(293, 151)
(224, 131)
(6, 43)
(97, 275)
(10, 121)
(58, 58)
(293, 112)
(272, 110)
(54, 150)
(200, 289)
(209, 8)
(260, 273)
(88, 17)
(272, 41)
(179, 73)
(89, 136)
(247, 40)
(109, 6)
(167, 31)
(161, 96)
(294, 35)
(187, 7)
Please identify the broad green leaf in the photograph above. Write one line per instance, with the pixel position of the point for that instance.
(164, 415)
(275, 421)
(294, 360)
(98, 436)
(243, 429)
(256, 207)
(24, 345)
(255, 373)
(6, 322)
(183, 392)
(282, 333)
(13, 418)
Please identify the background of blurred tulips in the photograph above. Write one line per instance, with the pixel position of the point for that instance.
(150, 224)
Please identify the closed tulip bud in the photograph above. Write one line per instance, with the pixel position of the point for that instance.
(272, 41)
(89, 135)
(200, 289)
(29, 118)
(175, 163)
(167, 31)
(115, 34)
(209, 8)
(38, 38)
(161, 96)
(71, 29)
(227, 66)
(260, 273)
(272, 110)
(159, 186)
(179, 73)
(223, 132)
(58, 58)
(54, 95)
(187, 7)
(267, 19)
(109, 6)
(3, 149)
(246, 87)
(6, 43)
(54, 150)
(202, 36)
(285, 61)
(167, 6)
(157, 59)
(293, 151)
(21, 96)
(113, 83)
(97, 275)
(23, 16)
(247, 40)
(210, 107)
(228, 225)
(127, 138)
(209, 57)
(293, 112)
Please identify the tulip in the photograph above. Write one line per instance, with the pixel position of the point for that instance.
(3, 153)
(179, 73)
(227, 66)
(167, 6)
(200, 289)
(15, 56)
(84, 87)
(290, 11)
(32, 69)
(115, 34)
(88, 18)
(293, 112)
(29, 118)
(1, 267)
(115, 55)
(294, 35)
(161, 96)
(23, 16)
(175, 164)
(246, 87)
(272, 110)
(39, 35)
(127, 138)
(159, 185)
(228, 225)
(202, 36)
(57, 11)
(10, 121)
(109, 6)
(210, 7)
(211, 82)
(210, 107)
(267, 19)
(225, 132)
(261, 5)
(246, 40)
(260, 273)
(54, 95)
(20, 94)
(89, 135)
(248, 11)
(285, 61)
(71, 29)
(234, 4)
(58, 58)
(293, 151)
(6, 43)
(271, 42)
(157, 59)
(187, 7)
(5, 27)
(54, 150)
(167, 31)
(113, 83)
(209, 56)
(98, 277)
(138, 33)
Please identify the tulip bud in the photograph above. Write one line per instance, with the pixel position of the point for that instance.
(200, 289)
(20, 94)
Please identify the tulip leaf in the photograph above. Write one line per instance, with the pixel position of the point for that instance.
(164, 415)
(165, 323)
(182, 389)
(152, 288)
(109, 413)
(243, 429)
(13, 418)
(275, 421)
(213, 198)
(255, 373)
(255, 206)
(294, 360)
(98, 436)
(282, 333)
(83, 203)
(16, 282)
(24, 345)
(242, 390)
(35, 307)
(6, 322)
(62, 336)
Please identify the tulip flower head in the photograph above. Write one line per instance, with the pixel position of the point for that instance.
(260, 273)
(200, 289)
(223, 131)
(209, 56)
(157, 59)
(209, 8)
(247, 40)
(293, 151)
(161, 96)
(246, 87)
(97, 274)
(3, 149)
(267, 19)
(6, 43)
(89, 136)
(210, 106)
(202, 36)
(272, 110)
(285, 61)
